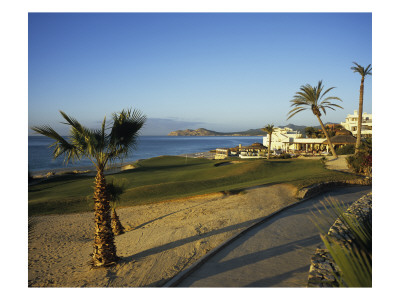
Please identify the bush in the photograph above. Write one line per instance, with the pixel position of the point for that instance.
(347, 149)
(284, 156)
(361, 162)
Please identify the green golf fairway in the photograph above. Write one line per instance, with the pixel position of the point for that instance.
(170, 177)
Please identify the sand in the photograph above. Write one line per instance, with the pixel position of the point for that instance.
(338, 164)
(161, 240)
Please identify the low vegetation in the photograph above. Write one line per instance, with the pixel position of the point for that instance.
(170, 177)
(346, 149)
(361, 161)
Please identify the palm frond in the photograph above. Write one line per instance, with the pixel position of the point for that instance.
(368, 70)
(268, 128)
(330, 98)
(295, 111)
(312, 97)
(327, 91)
(71, 121)
(60, 146)
(103, 132)
(82, 137)
(332, 104)
(124, 131)
(361, 70)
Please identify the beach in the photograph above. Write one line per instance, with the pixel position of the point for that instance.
(160, 241)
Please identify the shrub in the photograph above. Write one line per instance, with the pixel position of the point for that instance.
(284, 156)
(347, 149)
(361, 162)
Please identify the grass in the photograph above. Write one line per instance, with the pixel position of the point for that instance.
(169, 177)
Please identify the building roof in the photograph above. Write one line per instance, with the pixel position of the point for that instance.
(309, 141)
(342, 139)
(254, 146)
(343, 131)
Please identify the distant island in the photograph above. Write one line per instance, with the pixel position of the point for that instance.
(206, 132)
(250, 132)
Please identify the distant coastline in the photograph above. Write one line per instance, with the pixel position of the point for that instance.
(206, 132)
(250, 132)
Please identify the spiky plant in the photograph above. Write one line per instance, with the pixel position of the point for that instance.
(313, 98)
(363, 72)
(269, 129)
(351, 248)
(102, 147)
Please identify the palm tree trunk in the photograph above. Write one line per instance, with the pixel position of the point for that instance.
(104, 252)
(269, 145)
(327, 137)
(360, 111)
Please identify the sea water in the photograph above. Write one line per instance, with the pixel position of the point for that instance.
(40, 155)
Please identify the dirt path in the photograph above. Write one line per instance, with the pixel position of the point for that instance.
(161, 239)
(275, 253)
(338, 164)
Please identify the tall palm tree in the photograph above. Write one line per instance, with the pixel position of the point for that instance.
(313, 98)
(269, 129)
(363, 72)
(102, 149)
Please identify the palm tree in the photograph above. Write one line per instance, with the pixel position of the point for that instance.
(102, 149)
(363, 72)
(269, 129)
(313, 98)
(115, 189)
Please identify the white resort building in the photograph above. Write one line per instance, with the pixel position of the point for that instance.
(282, 139)
(285, 139)
(351, 124)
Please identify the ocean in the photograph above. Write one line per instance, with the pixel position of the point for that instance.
(40, 155)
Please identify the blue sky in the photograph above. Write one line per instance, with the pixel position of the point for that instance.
(221, 71)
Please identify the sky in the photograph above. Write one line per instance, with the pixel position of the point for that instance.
(220, 71)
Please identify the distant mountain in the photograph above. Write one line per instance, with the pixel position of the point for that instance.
(300, 128)
(206, 132)
(250, 132)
